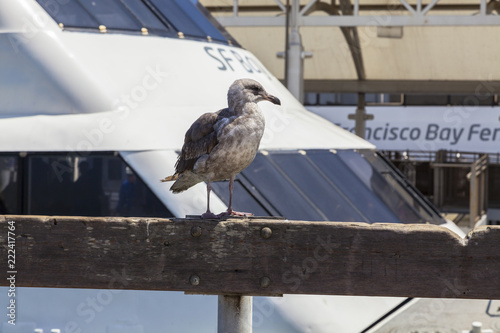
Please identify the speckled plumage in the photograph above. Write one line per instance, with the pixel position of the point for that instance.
(221, 144)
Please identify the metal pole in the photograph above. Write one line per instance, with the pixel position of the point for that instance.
(234, 314)
(473, 193)
(235, 8)
(295, 60)
(287, 40)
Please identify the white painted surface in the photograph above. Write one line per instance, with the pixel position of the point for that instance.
(425, 128)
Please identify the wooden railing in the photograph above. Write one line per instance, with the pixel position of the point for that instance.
(253, 257)
(244, 257)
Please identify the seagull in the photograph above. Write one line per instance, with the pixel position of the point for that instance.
(219, 145)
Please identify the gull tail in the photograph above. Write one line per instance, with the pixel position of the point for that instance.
(170, 178)
(183, 181)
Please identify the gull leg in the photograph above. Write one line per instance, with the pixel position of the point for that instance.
(230, 210)
(231, 187)
(208, 214)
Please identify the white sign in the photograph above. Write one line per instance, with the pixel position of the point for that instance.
(458, 128)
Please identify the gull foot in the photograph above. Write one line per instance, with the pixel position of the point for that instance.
(233, 213)
(209, 215)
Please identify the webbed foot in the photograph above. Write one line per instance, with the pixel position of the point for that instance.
(209, 215)
(233, 213)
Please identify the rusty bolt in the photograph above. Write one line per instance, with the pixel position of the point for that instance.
(196, 231)
(265, 282)
(266, 232)
(194, 280)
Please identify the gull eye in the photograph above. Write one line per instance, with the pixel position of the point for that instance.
(255, 89)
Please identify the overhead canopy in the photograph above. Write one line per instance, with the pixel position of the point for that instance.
(457, 57)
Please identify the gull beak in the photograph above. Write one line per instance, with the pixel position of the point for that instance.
(272, 99)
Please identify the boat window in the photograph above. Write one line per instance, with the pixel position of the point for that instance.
(346, 181)
(70, 14)
(323, 185)
(144, 14)
(316, 188)
(159, 17)
(112, 14)
(186, 18)
(9, 189)
(419, 203)
(279, 191)
(75, 185)
(381, 185)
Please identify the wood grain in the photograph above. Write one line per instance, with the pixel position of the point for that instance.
(235, 257)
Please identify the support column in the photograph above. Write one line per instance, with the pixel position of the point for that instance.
(360, 117)
(295, 63)
(234, 314)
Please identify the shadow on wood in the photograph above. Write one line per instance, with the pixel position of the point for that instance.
(253, 257)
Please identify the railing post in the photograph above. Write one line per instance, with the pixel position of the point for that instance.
(478, 189)
(234, 314)
(473, 196)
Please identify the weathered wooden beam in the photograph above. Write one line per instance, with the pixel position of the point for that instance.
(252, 257)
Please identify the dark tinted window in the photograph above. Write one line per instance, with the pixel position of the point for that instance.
(326, 185)
(381, 183)
(112, 14)
(347, 182)
(274, 185)
(9, 185)
(71, 14)
(160, 17)
(419, 99)
(185, 17)
(144, 14)
(472, 100)
(58, 184)
(419, 203)
(316, 188)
